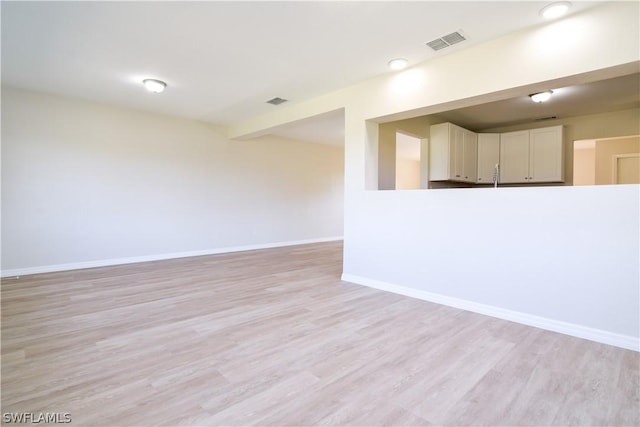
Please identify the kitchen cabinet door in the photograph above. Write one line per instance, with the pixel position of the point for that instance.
(488, 156)
(546, 155)
(514, 157)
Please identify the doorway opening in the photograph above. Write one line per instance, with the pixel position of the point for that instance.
(407, 162)
(607, 161)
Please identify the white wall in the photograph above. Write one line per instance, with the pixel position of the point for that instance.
(563, 258)
(584, 162)
(89, 183)
(407, 173)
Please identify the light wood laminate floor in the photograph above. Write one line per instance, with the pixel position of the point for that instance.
(273, 337)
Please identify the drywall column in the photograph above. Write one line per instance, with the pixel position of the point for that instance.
(386, 158)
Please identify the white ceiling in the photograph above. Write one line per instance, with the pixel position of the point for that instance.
(613, 94)
(223, 60)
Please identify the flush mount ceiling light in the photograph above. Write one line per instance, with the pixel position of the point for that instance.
(542, 96)
(277, 101)
(398, 63)
(153, 85)
(555, 10)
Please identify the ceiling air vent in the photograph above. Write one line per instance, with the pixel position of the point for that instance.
(276, 101)
(540, 119)
(446, 41)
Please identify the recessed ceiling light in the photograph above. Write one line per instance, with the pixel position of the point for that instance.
(398, 63)
(542, 96)
(153, 85)
(555, 10)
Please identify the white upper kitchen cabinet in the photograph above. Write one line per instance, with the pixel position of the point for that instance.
(546, 155)
(531, 156)
(453, 153)
(488, 156)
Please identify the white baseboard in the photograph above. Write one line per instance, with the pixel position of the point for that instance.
(597, 335)
(158, 257)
